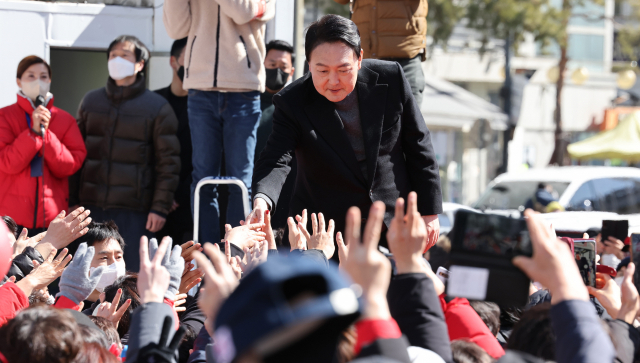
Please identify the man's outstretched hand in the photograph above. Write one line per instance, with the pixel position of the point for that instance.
(257, 214)
(433, 230)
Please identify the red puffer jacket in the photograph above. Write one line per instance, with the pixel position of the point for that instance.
(64, 153)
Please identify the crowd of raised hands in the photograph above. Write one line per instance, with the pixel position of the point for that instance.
(194, 302)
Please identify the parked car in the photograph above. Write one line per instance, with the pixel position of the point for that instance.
(578, 188)
(448, 215)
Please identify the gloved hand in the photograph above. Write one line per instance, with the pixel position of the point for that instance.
(174, 263)
(75, 283)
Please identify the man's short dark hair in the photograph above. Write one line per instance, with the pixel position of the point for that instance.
(283, 46)
(534, 334)
(464, 351)
(11, 225)
(178, 46)
(141, 51)
(99, 232)
(41, 334)
(330, 29)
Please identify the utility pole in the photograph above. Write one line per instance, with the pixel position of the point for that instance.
(506, 95)
(298, 38)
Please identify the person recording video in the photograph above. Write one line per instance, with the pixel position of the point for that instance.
(40, 147)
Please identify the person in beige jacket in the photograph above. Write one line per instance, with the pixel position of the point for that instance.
(394, 30)
(224, 74)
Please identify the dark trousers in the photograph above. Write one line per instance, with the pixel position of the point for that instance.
(413, 72)
(132, 226)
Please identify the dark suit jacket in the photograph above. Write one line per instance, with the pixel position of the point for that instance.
(400, 157)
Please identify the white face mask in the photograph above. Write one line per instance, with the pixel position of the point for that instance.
(120, 68)
(610, 260)
(110, 274)
(35, 88)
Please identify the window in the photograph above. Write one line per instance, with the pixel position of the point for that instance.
(616, 195)
(583, 199)
(514, 194)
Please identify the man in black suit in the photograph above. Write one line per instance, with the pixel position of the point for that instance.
(356, 131)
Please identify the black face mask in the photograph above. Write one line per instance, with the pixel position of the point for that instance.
(276, 79)
(181, 73)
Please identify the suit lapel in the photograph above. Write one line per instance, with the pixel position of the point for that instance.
(372, 102)
(324, 118)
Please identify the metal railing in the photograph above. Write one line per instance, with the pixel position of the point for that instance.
(217, 181)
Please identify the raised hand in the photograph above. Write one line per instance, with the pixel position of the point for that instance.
(24, 241)
(608, 295)
(153, 278)
(246, 236)
(297, 239)
(253, 257)
(44, 274)
(270, 238)
(76, 283)
(190, 278)
(407, 236)
(220, 281)
(181, 299)
(343, 249)
(188, 248)
(320, 240)
(552, 264)
(365, 264)
(110, 311)
(629, 295)
(173, 262)
(64, 230)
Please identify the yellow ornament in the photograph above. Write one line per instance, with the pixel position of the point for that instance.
(626, 79)
(580, 75)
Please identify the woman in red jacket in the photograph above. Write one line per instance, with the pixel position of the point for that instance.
(33, 185)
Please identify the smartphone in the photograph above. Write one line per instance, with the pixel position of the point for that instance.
(585, 256)
(443, 274)
(634, 257)
(482, 247)
(614, 228)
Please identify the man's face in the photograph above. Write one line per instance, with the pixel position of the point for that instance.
(107, 252)
(177, 62)
(279, 59)
(127, 51)
(334, 68)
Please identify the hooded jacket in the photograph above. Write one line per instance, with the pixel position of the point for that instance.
(64, 151)
(225, 49)
(133, 154)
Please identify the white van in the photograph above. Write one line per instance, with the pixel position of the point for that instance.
(578, 188)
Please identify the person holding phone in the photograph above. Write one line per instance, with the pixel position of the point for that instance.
(34, 185)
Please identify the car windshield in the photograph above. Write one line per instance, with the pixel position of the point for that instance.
(514, 194)
(444, 220)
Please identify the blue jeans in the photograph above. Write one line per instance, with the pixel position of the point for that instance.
(222, 122)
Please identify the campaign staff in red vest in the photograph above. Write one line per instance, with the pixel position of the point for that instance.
(34, 186)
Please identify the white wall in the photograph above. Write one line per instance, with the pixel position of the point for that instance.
(33, 27)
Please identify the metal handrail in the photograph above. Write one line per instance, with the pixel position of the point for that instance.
(217, 180)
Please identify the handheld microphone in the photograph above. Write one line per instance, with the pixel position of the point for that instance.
(39, 102)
